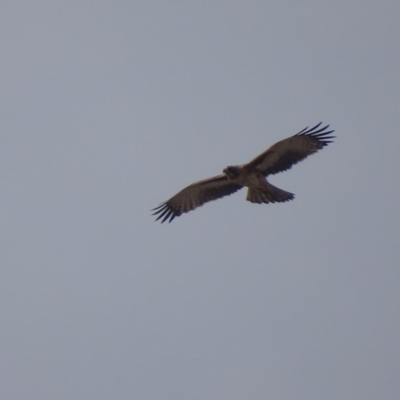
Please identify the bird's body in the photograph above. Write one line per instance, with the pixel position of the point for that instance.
(279, 157)
(244, 176)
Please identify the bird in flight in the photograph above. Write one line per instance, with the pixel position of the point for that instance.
(279, 157)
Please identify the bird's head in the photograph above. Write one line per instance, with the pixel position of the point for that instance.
(231, 172)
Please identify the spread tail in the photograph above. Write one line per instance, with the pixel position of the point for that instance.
(271, 194)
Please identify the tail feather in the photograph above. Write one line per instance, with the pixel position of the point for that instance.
(271, 194)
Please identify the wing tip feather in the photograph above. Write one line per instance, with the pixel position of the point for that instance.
(321, 134)
(165, 212)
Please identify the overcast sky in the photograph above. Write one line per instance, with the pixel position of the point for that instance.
(109, 108)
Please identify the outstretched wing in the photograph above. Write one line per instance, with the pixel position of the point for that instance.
(282, 155)
(195, 196)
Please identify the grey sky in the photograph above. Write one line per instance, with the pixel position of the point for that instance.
(108, 109)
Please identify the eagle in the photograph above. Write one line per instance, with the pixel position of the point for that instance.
(279, 157)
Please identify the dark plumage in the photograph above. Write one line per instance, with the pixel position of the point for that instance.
(279, 157)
